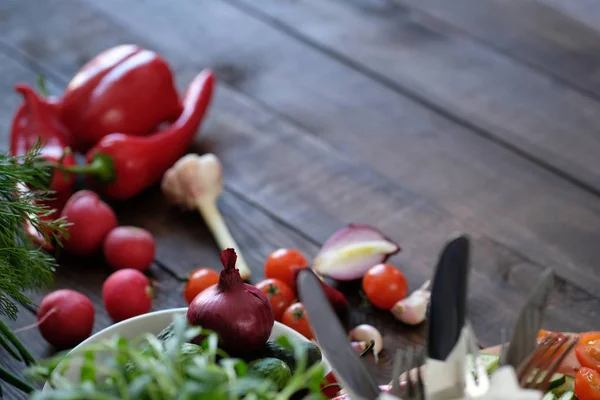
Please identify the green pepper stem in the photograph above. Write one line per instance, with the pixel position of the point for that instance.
(27, 357)
(101, 167)
(15, 381)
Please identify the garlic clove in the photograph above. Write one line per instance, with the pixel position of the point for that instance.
(367, 333)
(412, 310)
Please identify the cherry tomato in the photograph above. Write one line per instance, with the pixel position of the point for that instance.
(384, 285)
(587, 384)
(281, 263)
(587, 350)
(279, 294)
(199, 280)
(295, 317)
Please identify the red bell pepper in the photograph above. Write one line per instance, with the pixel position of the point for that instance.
(121, 166)
(36, 121)
(124, 89)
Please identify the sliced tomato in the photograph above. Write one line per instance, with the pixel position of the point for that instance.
(587, 350)
(587, 384)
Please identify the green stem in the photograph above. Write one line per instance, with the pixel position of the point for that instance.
(41, 83)
(9, 348)
(101, 167)
(15, 381)
(26, 356)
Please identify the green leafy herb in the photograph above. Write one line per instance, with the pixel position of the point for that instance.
(146, 368)
(23, 266)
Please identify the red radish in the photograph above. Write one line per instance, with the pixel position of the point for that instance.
(65, 318)
(129, 247)
(127, 293)
(91, 219)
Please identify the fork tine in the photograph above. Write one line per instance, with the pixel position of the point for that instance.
(410, 356)
(420, 386)
(568, 345)
(524, 370)
(397, 370)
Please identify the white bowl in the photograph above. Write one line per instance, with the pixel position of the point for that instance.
(154, 323)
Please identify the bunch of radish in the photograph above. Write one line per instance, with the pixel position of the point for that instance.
(66, 317)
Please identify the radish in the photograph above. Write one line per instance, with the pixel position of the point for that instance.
(127, 293)
(65, 318)
(129, 247)
(91, 219)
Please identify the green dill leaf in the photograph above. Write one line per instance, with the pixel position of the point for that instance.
(23, 266)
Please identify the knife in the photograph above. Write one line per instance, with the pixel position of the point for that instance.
(448, 302)
(333, 340)
(447, 335)
(527, 326)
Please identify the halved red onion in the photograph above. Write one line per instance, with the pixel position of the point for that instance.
(350, 252)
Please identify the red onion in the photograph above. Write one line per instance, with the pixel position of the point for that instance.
(239, 313)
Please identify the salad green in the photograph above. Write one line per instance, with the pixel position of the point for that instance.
(165, 366)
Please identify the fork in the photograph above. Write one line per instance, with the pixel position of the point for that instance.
(404, 363)
(537, 369)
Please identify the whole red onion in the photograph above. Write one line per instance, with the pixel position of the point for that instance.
(239, 313)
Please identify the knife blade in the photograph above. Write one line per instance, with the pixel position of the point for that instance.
(448, 302)
(523, 340)
(333, 340)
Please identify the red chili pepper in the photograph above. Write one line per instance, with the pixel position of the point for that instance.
(124, 89)
(121, 166)
(36, 121)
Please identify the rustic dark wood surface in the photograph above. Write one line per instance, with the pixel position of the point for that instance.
(419, 117)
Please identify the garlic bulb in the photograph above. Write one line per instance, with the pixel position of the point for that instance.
(195, 182)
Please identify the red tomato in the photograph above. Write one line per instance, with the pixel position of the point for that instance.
(384, 285)
(199, 280)
(587, 384)
(281, 263)
(330, 386)
(295, 317)
(587, 350)
(129, 247)
(279, 294)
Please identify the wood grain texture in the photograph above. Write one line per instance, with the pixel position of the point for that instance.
(299, 171)
(484, 185)
(432, 62)
(545, 36)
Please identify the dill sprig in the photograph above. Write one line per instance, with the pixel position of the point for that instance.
(24, 267)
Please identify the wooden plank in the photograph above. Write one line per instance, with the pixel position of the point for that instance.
(289, 180)
(488, 188)
(436, 65)
(547, 36)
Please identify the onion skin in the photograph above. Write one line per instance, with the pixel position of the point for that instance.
(351, 251)
(238, 312)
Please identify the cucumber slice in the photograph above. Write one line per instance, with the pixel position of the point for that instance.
(555, 381)
(570, 395)
(490, 361)
(549, 396)
(568, 386)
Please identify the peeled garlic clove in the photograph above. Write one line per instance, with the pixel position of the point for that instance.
(350, 252)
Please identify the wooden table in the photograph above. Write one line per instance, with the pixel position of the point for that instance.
(419, 117)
